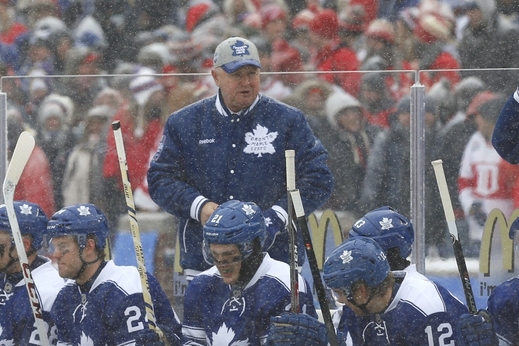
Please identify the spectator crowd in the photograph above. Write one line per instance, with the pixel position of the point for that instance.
(74, 66)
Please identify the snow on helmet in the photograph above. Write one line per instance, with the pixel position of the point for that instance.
(234, 222)
(388, 228)
(79, 220)
(356, 259)
(31, 220)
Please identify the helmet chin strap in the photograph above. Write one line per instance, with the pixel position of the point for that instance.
(363, 307)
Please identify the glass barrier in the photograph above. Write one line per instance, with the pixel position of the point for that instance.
(366, 131)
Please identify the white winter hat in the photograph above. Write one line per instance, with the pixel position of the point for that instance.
(144, 85)
(50, 109)
(338, 101)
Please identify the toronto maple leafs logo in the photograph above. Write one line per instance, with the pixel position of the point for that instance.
(248, 210)
(386, 223)
(346, 257)
(225, 336)
(240, 48)
(259, 141)
(26, 209)
(83, 210)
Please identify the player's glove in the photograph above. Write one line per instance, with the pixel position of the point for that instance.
(477, 212)
(296, 329)
(476, 330)
(148, 337)
(274, 227)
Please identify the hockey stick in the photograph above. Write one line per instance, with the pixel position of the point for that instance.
(21, 154)
(134, 226)
(453, 230)
(294, 274)
(296, 203)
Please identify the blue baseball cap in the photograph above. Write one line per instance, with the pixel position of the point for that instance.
(236, 52)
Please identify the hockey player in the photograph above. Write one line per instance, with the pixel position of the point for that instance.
(17, 325)
(499, 324)
(392, 231)
(232, 302)
(505, 137)
(232, 147)
(384, 307)
(101, 303)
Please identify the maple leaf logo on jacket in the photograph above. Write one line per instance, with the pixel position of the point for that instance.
(259, 141)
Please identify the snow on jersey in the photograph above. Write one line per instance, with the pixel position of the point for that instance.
(111, 312)
(503, 305)
(420, 313)
(17, 326)
(219, 314)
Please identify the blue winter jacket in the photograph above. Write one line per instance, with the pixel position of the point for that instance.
(207, 154)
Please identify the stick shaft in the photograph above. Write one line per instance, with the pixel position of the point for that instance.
(294, 274)
(314, 268)
(134, 226)
(296, 212)
(21, 155)
(451, 222)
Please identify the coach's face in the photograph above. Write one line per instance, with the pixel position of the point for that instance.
(239, 89)
(227, 258)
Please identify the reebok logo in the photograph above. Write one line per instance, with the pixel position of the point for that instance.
(206, 141)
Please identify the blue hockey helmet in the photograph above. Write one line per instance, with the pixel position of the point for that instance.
(359, 258)
(388, 228)
(235, 222)
(31, 220)
(79, 220)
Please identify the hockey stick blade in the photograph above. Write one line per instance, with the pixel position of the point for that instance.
(453, 230)
(22, 153)
(134, 226)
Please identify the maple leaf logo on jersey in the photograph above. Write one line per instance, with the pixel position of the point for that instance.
(85, 340)
(83, 211)
(5, 342)
(259, 141)
(25, 209)
(386, 223)
(346, 257)
(225, 335)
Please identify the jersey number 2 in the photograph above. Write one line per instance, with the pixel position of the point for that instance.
(443, 333)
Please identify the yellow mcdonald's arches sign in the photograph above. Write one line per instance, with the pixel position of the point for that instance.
(497, 218)
(318, 229)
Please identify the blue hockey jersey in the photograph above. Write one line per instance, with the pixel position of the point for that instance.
(17, 326)
(208, 154)
(503, 305)
(420, 313)
(219, 314)
(505, 138)
(112, 311)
